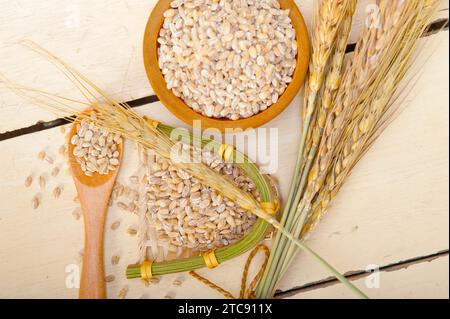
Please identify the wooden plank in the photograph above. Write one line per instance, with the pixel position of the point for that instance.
(398, 192)
(100, 38)
(39, 246)
(382, 214)
(425, 280)
(401, 187)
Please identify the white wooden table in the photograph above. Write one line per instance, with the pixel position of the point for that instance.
(393, 211)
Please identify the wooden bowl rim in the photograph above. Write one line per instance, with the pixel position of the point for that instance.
(182, 111)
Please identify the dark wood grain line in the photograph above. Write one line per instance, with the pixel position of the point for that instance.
(42, 126)
(354, 275)
(433, 28)
(437, 26)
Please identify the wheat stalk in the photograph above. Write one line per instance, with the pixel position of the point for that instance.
(366, 124)
(332, 23)
(378, 65)
(329, 90)
(373, 47)
(364, 74)
(407, 31)
(332, 84)
(380, 79)
(368, 114)
(327, 19)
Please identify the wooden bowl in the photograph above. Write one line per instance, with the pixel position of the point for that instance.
(187, 114)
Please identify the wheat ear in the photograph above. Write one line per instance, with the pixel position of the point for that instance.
(372, 49)
(326, 24)
(366, 123)
(332, 84)
(327, 18)
(376, 52)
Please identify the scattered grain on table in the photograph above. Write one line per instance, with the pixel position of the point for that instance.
(110, 278)
(122, 206)
(28, 181)
(115, 259)
(121, 190)
(134, 179)
(145, 283)
(57, 192)
(115, 225)
(35, 202)
(76, 214)
(123, 293)
(41, 155)
(132, 231)
(127, 191)
(42, 181)
(132, 208)
(154, 280)
(62, 150)
(55, 171)
(49, 159)
(177, 282)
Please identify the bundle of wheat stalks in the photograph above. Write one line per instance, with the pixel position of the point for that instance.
(345, 109)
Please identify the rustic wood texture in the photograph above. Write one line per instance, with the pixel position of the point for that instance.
(431, 276)
(393, 208)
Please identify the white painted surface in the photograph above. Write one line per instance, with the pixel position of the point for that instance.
(394, 206)
(425, 280)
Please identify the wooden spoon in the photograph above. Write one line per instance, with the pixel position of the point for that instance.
(94, 193)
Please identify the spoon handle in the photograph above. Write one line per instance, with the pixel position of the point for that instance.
(94, 202)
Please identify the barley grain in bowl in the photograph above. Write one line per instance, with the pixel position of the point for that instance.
(227, 59)
(228, 63)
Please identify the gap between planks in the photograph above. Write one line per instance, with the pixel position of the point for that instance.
(435, 27)
(358, 274)
(41, 126)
